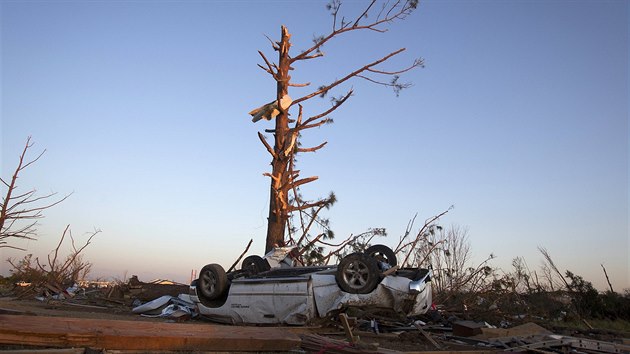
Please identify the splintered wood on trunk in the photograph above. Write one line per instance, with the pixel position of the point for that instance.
(279, 199)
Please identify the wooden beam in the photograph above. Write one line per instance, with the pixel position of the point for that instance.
(142, 335)
(45, 351)
(346, 326)
(428, 337)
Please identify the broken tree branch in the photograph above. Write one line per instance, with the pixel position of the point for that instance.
(364, 14)
(607, 279)
(270, 67)
(347, 77)
(313, 125)
(419, 62)
(274, 45)
(313, 149)
(267, 146)
(303, 181)
(383, 83)
(299, 85)
(311, 243)
(553, 267)
(313, 218)
(337, 104)
(241, 256)
(313, 56)
(403, 9)
(309, 205)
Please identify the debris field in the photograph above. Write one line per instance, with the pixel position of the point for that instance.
(137, 316)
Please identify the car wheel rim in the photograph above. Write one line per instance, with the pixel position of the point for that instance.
(356, 274)
(208, 283)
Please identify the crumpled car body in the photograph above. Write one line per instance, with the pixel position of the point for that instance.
(297, 296)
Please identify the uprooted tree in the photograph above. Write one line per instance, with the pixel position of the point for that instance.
(20, 211)
(285, 198)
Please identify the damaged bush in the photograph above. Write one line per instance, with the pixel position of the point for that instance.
(447, 252)
(56, 271)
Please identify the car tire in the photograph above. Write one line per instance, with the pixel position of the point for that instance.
(213, 282)
(254, 265)
(357, 274)
(383, 254)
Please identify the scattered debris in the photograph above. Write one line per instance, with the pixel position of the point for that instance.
(149, 291)
(350, 330)
(571, 344)
(524, 330)
(346, 324)
(97, 296)
(180, 307)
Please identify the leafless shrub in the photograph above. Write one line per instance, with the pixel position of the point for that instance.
(57, 270)
(553, 295)
(410, 247)
(448, 253)
(452, 265)
(523, 279)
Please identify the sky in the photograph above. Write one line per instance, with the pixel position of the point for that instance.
(519, 119)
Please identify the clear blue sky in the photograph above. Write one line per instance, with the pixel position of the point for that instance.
(519, 119)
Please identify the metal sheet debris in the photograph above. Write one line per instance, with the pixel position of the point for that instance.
(168, 306)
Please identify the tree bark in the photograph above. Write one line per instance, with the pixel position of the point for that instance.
(279, 199)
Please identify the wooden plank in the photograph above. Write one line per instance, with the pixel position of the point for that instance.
(142, 335)
(45, 351)
(428, 337)
(11, 312)
(346, 327)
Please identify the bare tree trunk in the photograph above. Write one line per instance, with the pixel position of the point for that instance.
(279, 198)
(284, 178)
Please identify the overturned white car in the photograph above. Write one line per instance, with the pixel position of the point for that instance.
(260, 294)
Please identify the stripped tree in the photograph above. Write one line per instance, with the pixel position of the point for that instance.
(285, 199)
(20, 211)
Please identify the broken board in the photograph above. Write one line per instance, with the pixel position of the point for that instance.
(140, 335)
